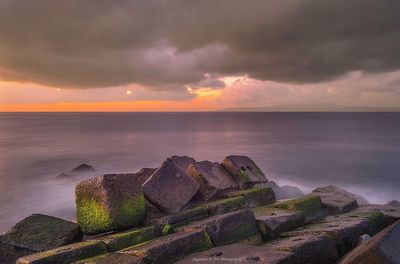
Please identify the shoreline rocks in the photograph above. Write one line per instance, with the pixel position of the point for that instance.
(226, 212)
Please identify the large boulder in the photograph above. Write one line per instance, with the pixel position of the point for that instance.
(170, 188)
(336, 200)
(273, 221)
(256, 196)
(309, 205)
(109, 202)
(228, 228)
(212, 177)
(384, 248)
(37, 233)
(244, 170)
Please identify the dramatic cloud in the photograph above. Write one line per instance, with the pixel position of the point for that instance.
(169, 44)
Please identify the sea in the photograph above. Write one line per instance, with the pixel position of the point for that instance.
(356, 151)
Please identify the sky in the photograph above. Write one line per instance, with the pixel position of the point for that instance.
(190, 55)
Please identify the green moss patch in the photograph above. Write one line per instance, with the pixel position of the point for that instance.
(67, 254)
(94, 217)
(167, 229)
(256, 196)
(130, 238)
(309, 205)
(225, 205)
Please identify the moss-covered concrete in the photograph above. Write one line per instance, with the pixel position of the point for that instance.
(95, 217)
(170, 248)
(255, 196)
(130, 238)
(225, 205)
(309, 205)
(66, 254)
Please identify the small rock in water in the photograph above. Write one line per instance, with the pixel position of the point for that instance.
(83, 168)
(362, 239)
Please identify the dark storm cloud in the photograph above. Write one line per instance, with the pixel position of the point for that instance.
(165, 44)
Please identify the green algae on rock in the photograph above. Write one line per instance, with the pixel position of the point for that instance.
(66, 254)
(255, 196)
(225, 205)
(170, 248)
(228, 228)
(130, 238)
(109, 202)
(309, 205)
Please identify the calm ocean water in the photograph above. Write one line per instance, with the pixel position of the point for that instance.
(358, 151)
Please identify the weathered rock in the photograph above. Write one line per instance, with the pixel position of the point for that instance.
(212, 177)
(130, 238)
(336, 200)
(244, 170)
(183, 218)
(66, 254)
(225, 205)
(228, 228)
(37, 233)
(170, 188)
(143, 174)
(392, 213)
(168, 249)
(309, 205)
(380, 249)
(109, 202)
(310, 249)
(344, 229)
(256, 196)
(394, 203)
(273, 221)
(240, 253)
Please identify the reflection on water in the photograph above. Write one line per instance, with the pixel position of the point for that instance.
(358, 151)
